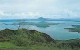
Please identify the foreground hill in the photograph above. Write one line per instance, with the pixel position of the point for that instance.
(23, 39)
(25, 35)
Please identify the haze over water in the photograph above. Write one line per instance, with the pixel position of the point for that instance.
(57, 32)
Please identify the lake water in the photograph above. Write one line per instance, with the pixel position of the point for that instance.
(57, 32)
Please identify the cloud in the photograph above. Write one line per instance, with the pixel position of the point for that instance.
(70, 13)
(36, 8)
(4, 14)
(66, 13)
(46, 0)
(33, 14)
(1, 12)
(19, 15)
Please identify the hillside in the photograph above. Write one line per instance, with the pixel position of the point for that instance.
(23, 39)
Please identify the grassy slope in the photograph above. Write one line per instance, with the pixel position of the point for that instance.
(23, 39)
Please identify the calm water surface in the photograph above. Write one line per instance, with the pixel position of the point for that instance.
(57, 32)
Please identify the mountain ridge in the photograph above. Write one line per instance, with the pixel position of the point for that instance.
(38, 19)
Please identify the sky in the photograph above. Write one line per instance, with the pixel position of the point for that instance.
(29, 9)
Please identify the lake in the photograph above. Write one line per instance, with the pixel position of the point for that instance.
(57, 32)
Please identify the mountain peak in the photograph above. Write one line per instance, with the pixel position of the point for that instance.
(41, 18)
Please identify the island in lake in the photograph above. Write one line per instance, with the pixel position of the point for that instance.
(76, 28)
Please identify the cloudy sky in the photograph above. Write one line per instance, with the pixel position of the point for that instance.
(22, 9)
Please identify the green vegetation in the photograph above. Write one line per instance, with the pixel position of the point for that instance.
(7, 45)
(23, 39)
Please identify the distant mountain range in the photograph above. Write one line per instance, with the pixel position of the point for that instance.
(39, 19)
